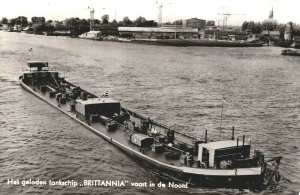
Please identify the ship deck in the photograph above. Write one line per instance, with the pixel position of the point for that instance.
(162, 164)
(119, 134)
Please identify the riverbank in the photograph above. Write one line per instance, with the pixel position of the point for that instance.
(169, 42)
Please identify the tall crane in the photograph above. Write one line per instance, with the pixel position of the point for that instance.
(225, 18)
(160, 10)
(160, 5)
(92, 13)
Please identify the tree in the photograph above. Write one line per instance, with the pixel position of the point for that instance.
(49, 21)
(269, 25)
(177, 22)
(38, 28)
(4, 20)
(60, 26)
(21, 20)
(96, 21)
(84, 22)
(114, 23)
(245, 25)
(251, 25)
(12, 22)
(105, 18)
(71, 22)
(139, 21)
(257, 28)
(126, 21)
(121, 23)
(210, 23)
(281, 28)
(49, 27)
(38, 20)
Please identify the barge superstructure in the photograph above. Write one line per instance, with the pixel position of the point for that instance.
(169, 153)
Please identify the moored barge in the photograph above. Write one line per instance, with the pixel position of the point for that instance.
(170, 153)
(289, 52)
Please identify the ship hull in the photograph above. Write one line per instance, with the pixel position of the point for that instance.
(233, 178)
(204, 43)
(291, 54)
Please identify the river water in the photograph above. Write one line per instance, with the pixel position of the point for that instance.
(182, 87)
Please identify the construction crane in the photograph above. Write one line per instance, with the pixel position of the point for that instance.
(160, 5)
(92, 13)
(225, 18)
(160, 10)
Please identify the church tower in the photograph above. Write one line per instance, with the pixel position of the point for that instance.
(271, 14)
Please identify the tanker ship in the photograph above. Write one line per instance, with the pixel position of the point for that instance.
(170, 153)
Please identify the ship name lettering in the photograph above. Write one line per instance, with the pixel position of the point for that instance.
(105, 183)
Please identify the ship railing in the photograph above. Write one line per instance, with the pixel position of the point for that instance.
(184, 135)
(44, 69)
(159, 124)
(271, 170)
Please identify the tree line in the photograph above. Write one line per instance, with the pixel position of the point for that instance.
(257, 27)
(79, 26)
(76, 25)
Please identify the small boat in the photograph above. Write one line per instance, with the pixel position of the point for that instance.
(92, 35)
(289, 52)
(170, 153)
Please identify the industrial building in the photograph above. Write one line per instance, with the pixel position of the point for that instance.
(226, 35)
(194, 23)
(274, 34)
(158, 33)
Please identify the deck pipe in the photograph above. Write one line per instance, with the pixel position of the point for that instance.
(205, 135)
(232, 136)
(237, 142)
(243, 140)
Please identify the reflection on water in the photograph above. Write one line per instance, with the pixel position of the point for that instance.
(181, 87)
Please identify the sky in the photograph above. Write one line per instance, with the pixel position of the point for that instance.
(245, 10)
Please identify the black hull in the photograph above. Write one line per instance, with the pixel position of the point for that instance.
(196, 180)
(292, 54)
(204, 43)
(166, 171)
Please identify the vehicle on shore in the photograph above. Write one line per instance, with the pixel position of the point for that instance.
(171, 154)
